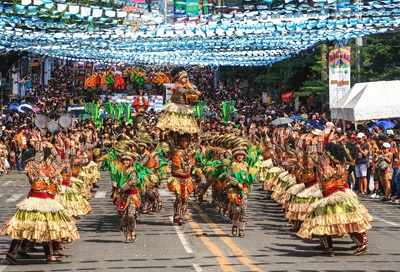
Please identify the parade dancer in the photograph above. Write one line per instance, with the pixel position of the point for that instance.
(128, 197)
(181, 182)
(203, 155)
(302, 197)
(73, 202)
(336, 214)
(240, 186)
(178, 118)
(178, 114)
(151, 195)
(158, 171)
(40, 216)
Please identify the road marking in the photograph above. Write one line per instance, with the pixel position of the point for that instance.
(101, 194)
(7, 183)
(13, 198)
(386, 221)
(182, 238)
(227, 240)
(223, 262)
(2, 267)
(197, 267)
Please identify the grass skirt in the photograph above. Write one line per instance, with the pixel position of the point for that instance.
(178, 118)
(40, 219)
(271, 181)
(280, 190)
(299, 204)
(263, 170)
(336, 215)
(73, 202)
(80, 184)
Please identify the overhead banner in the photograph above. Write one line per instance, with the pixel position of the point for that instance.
(179, 9)
(192, 8)
(339, 74)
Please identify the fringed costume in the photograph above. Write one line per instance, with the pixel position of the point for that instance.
(337, 213)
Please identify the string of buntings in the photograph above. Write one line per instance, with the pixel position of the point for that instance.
(250, 38)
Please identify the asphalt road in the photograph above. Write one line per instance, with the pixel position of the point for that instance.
(204, 243)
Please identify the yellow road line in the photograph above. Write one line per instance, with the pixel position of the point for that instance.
(227, 240)
(223, 262)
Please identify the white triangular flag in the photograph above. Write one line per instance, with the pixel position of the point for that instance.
(110, 13)
(73, 9)
(97, 13)
(122, 14)
(61, 7)
(85, 11)
(26, 2)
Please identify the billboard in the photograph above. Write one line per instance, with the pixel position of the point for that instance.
(339, 73)
(192, 8)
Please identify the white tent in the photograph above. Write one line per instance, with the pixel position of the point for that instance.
(371, 100)
(337, 109)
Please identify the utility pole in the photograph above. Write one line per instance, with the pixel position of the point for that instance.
(358, 44)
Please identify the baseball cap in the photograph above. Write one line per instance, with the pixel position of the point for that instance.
(386, 145)
(360, 135)
(354, 137)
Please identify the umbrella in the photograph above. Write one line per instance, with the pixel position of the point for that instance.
(299, 117)
(14, 106)
(258, 118)
(385, 124)
(315, 125)
(25, 107)
(35, 109)
(281, 121)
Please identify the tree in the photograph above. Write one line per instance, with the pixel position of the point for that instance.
(8, 58)
(381, 58)
(318, 85)
(304, 74)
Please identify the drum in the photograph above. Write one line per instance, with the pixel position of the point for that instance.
(53, 126)
(65, 121)
(41, 121)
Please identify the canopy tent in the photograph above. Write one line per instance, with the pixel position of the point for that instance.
(337, 109)
(371, 100)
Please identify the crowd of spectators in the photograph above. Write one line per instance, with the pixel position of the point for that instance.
(251, 115)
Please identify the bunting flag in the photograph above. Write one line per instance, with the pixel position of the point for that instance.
(273, 31)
